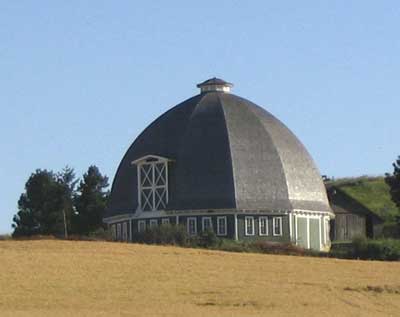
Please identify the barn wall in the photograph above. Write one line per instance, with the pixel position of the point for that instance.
(270, 237)
(347, 226)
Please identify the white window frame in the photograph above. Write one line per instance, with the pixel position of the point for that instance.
(153, 223)
(140, 223)
(153, 200)
(189, 219)
(203, 221)
(225, 231)
(165, 221)
(260, 219)
(118, 231)
(274, 219)
(124, 231)
(246, 220)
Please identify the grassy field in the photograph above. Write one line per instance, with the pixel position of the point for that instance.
(68, 278)
(372, 192)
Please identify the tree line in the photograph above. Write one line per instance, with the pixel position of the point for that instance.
(59, 204)
(393, 180)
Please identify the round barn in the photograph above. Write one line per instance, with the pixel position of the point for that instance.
(218, 161)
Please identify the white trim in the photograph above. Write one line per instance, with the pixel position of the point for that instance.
(266, 225)
(219, 231)
(290, 216)
(141, 222)
(246, 219)
(151, 156)
(308, 233)
(274, 233)
(188, 226)
(165, 221)
(124, 231)
(119, 234)
(130, 229)
(203, 219)
(153, 223)
(236, 228)
(149, 173)
(114, 231)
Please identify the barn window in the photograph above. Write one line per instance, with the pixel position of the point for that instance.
(263, 226)
(165, 221)
(141, 225)
(207, 224)
(124, 231)
(152, 183)
(114, 232)
(153, 223)
(118, 231)
(249, 226)
(277, 226)
(192, 226)
(221, 226)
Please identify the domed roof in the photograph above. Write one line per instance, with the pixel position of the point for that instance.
(225, 152)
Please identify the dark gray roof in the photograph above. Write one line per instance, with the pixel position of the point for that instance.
(227, 153)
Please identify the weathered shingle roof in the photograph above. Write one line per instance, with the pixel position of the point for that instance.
(228, 153)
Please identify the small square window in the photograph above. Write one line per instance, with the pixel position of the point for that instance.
(141, 226)
(249, 226)
(263, 226)
(192, 226)
(153, 223)
(221, 226)
(207, 224)
(165, 221)
(277, 226)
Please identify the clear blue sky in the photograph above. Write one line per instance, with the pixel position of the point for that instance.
(80, 79)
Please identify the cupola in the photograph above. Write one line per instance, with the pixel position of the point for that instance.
(215, 84)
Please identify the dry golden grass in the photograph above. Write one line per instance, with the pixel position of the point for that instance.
(65, 278)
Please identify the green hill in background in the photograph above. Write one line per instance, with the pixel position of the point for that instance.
(372, 192)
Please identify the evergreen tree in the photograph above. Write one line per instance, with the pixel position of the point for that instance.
(66, 178)
(393, 180)
(39, 207)
(90, 202)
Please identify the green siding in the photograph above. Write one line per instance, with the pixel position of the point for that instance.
(315, 234)
(285, 237)
(302, 236)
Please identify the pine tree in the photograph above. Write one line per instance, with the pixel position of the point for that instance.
(90, 202)
(39, 206)
(66, 178)
(393, 180)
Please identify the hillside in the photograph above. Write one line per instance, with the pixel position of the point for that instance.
(66, 278)
(372, 192)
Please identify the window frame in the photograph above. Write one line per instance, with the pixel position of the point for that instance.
(225, 231)
(139, 225)
(119, 231)
(114, 231)
(280, 233)
(165, 221)
(153, 223)
(260, 219)
(203, 220)
(246, 219)
(155, 201)
(124, 231)
(188, 226)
